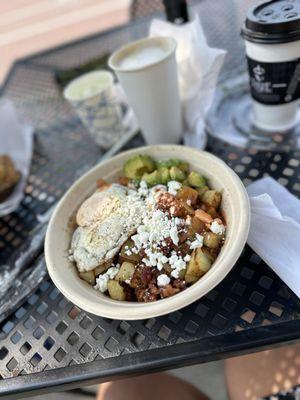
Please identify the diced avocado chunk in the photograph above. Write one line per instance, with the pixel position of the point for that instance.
(165, 175)
(135, 167)
(174, 162)
(177, 174)
(152, 179)
(196, 180)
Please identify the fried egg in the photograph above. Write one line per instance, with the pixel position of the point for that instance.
(105, 221)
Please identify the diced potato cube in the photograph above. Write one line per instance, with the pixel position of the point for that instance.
(212, 254)
(133, 257)
(212, 240)
(115, 290)
(201, 191)
(196, 226)
(212, 212)
(186, 209)
(212, 198)
(125, 272)
(188, 195)
(88, 276)
(198, 265)
(102, 268)
(203, 260)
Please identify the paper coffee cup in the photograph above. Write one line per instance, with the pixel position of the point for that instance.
(147, 71)
(272, 39)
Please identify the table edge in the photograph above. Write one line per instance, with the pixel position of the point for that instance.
(154, 360)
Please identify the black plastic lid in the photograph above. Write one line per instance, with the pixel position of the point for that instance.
(276, 21)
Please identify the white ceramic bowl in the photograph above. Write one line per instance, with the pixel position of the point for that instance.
(64, 274)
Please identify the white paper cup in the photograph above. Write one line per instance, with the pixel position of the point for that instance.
(93, 97)
(281, 117)
(272, 40)
(147, 71)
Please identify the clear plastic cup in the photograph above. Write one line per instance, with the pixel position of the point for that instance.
(93, 97)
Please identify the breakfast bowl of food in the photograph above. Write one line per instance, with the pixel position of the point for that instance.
(147, 232)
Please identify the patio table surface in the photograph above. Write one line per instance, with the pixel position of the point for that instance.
(48, 343)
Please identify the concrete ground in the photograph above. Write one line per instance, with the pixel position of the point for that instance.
(29, 26)
(209, 378)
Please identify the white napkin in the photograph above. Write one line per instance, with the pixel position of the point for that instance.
(16, 141)
(198, 70)
(275, 229)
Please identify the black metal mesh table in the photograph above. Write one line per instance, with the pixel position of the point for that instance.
(48, 342)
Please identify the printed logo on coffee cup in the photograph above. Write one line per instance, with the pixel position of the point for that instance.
(274, 83)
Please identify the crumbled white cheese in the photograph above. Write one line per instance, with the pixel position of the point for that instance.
(154, 259)
(143, 185)
(177, 264)
(159, 188)
(173, 187)
(198, 242)
(188, 220)
(156, 227)
(187, 258)
(172, 210)
(152, 234)
(175, 273)
(143, 189)
(153, 195)
(101, 281)
(163, 280)
(215, 227)
(174, 235)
